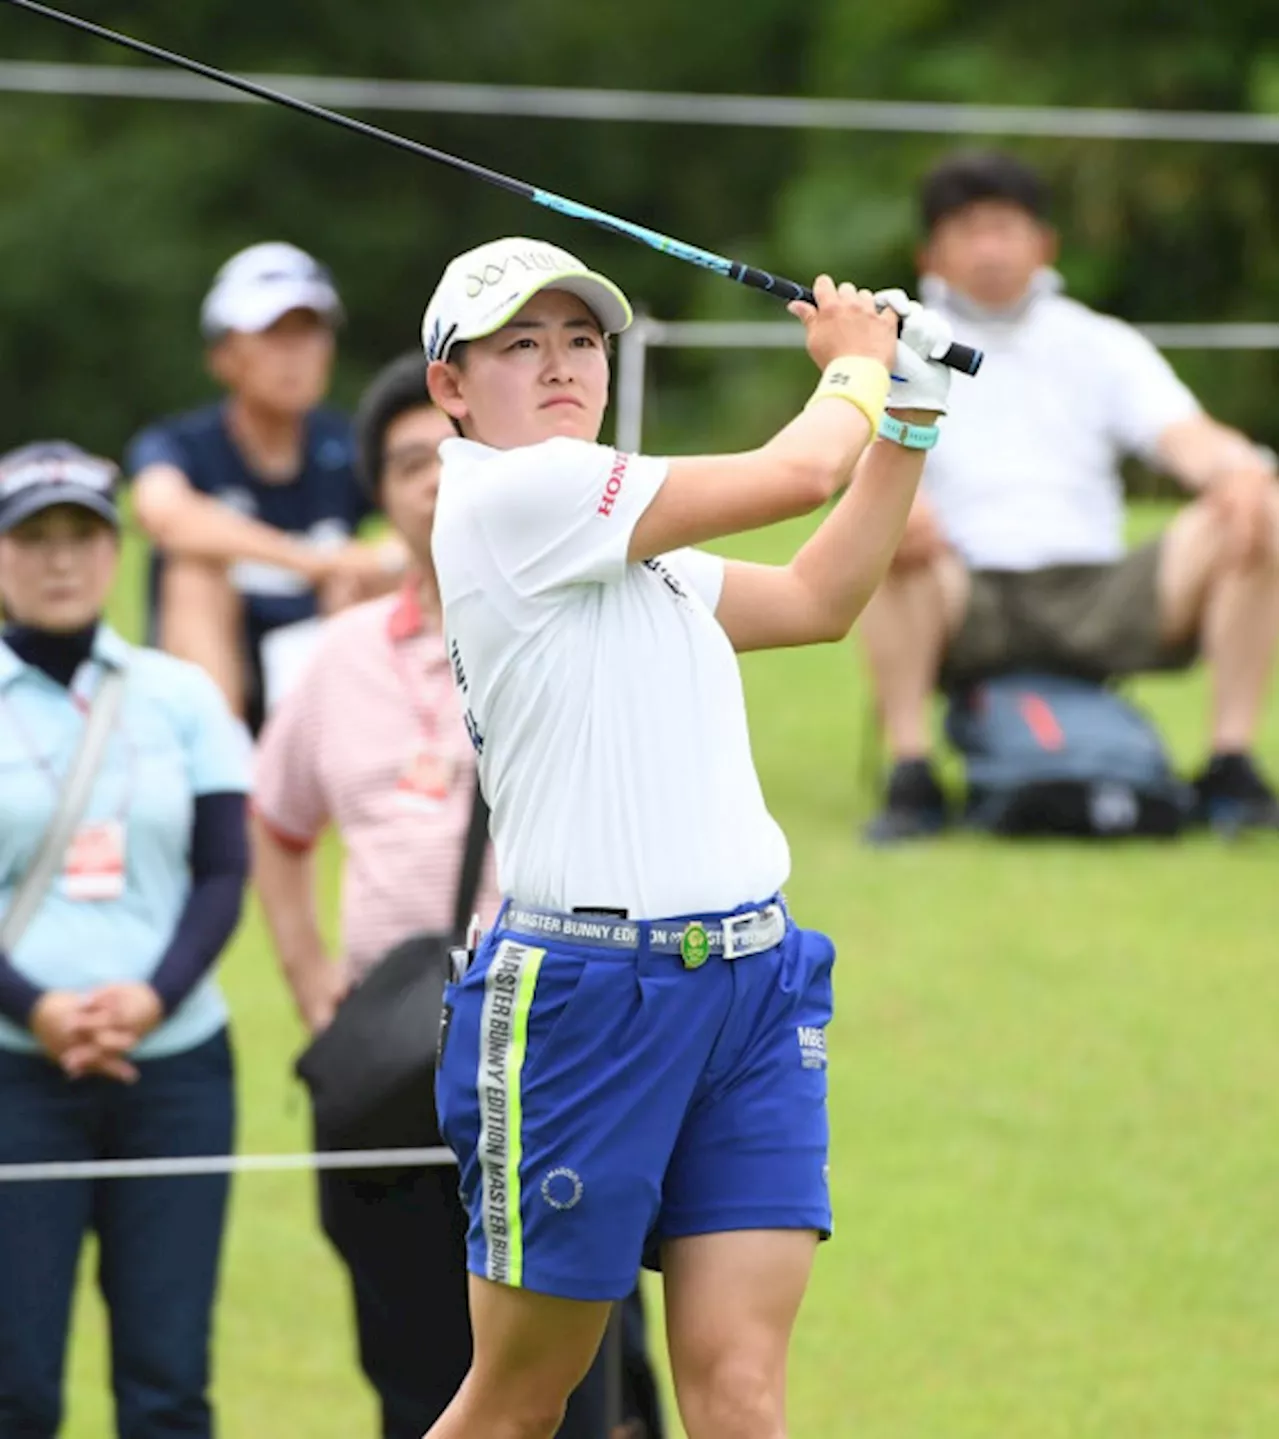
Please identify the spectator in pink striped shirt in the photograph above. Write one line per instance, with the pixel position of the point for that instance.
(371, 741)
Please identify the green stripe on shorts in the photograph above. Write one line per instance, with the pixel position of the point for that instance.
(509, 986)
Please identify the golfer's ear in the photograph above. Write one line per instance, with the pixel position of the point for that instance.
(444, 388)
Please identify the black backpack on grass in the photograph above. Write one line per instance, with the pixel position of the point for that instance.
(1052, 755)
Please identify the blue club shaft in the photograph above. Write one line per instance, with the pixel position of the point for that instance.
(958, 357)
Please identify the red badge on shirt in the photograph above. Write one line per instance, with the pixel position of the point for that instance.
(425, 782)
(94, 864)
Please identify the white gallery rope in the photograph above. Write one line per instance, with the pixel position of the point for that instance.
(786, 335)
(224, 1164)
(666, 107)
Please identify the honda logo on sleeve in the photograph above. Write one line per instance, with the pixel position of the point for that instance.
(613, 485)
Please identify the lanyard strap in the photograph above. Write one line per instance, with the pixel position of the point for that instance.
(73, 795)
(425, 715)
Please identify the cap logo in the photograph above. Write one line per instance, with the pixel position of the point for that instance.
(493, 274)
(438, 344)
(92, 474)
(314, 272)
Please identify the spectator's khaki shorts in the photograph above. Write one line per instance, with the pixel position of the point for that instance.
(1089, 620)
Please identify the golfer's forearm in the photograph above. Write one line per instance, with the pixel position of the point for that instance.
(184, 522)
(848, 555)
(705, 497)
(822, 444)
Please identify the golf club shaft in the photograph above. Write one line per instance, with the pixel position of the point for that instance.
(958, 357)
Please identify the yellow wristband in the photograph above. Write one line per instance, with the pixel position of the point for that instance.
(861, 381)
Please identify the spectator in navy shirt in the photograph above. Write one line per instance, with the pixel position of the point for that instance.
(252, 502)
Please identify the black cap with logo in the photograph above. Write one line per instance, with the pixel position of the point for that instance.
(54, 472)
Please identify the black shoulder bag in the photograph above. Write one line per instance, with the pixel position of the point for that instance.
(371, 1073)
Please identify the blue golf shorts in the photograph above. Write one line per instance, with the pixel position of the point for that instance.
(600, 1101)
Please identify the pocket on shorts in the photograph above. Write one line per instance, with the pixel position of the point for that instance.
(442, 1080)
(577, 1025)
(456, 1059)
(819, 955)
(545, 1020)
(575, 1008)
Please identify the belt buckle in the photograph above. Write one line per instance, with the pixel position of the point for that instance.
(736, 924)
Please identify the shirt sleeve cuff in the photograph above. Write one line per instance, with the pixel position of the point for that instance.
(18, 996)
(646, 474)
(285, 838)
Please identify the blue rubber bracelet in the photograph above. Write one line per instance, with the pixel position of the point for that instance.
(910, 437)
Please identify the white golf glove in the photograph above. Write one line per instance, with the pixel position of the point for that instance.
(919, 381)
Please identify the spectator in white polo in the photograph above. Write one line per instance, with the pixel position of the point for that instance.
(113, 1034)
(371, 741)
(253, 502)
(1014, 556)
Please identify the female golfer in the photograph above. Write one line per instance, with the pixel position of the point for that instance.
(634, 1063)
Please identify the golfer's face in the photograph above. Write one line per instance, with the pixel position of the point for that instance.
(989, 250)
(411, 474)
(56, 568)
(284, 368)
(544, 374)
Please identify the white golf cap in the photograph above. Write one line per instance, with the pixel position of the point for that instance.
(258, 285)
(484, 288)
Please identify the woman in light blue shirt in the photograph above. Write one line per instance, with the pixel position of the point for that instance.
(113, 1034)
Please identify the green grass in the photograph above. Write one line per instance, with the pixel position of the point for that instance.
(1053, 1109)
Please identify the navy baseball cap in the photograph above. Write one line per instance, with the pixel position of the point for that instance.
(54, 472)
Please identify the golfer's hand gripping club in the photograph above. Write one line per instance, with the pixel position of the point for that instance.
(956, 356)
(950, 353)
(919, 380)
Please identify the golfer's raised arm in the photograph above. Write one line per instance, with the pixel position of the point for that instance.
(809, 460)
(820, 594)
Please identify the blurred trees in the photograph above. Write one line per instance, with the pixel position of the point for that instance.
(115, 213)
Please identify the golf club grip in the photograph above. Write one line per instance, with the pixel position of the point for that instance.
(958, 357)
(961, 357)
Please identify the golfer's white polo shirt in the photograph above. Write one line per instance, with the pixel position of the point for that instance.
(1028, 472)
(603, 697)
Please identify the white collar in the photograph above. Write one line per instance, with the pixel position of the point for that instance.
(460, 447)
(936, 293)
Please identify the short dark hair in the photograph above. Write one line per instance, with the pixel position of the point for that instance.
(396, 388)
(981, 175)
